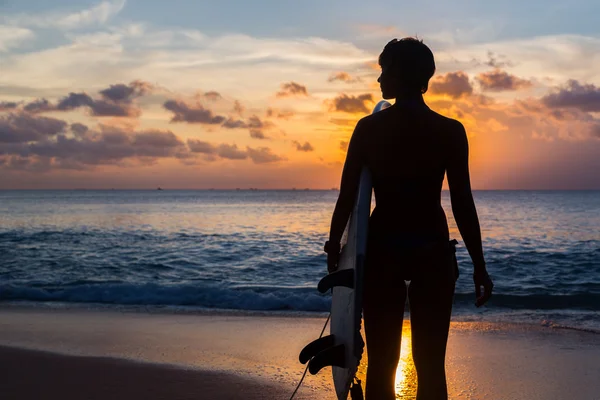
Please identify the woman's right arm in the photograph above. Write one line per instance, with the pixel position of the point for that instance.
(463, 208)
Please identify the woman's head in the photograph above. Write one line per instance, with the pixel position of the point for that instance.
(406, 67)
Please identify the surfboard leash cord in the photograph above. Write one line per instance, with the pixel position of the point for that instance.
(306, 369)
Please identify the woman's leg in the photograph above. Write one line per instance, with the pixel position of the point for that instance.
(430, 300)
(383, 308)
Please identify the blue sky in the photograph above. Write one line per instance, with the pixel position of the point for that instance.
(524, 78)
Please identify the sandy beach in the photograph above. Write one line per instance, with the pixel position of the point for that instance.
(101, 354)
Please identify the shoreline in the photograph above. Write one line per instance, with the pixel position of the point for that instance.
(494, 318)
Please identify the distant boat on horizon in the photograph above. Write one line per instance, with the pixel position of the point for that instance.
(159, 188)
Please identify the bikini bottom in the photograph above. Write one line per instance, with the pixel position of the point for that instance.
(397, 258)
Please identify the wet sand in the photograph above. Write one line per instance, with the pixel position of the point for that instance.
(93, 354)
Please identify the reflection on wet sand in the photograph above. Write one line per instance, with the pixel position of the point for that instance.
(406, 375)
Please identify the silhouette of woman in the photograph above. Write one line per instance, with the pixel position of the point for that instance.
(408, 148)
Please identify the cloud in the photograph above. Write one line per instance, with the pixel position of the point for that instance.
(79, 129)
(96, 15)
(22, 128)
(263, 155)
(193, 114)
(12, 36)
(352, 104)
(98, 108)
(179, 56)
(585, 97)
(49, 140)
(238, 108)
(126, 93)
(344, 145)
(231, 123)
(497, 61)
(231, 152)
(453, 84)
(213, 96)
(498, 80)
(8, 105)
(255, 125)
(259, 155)
(39, 105)
(291, 89)
(257, 134)
(199, 146)
(280, 114)
(306, 147)
(115, 101)
(343, 77)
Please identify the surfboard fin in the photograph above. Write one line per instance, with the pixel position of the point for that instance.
(343, 277)
(331, 356)
(315, 347)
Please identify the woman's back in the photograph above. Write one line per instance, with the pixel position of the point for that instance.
(406, 148)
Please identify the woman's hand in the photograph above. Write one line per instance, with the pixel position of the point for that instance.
(482, 280)
(332, 262)
(332, 248)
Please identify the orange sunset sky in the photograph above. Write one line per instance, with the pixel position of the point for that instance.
(187, 94)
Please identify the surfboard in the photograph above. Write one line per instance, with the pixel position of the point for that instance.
(342, 349)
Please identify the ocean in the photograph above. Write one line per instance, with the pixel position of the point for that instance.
(261, 251)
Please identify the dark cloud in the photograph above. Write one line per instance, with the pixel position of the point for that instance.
(303, 147)
(36, 143)
(79, 129)
(121, 93)
(101, 108)
(110, 147)
(254, 124)
(498, 80)
(343, 77)
(585, 97)
(8, 105)
(344, 145)
(453, 84)
(231, 152)
(74, 100)
(22, 128)
(38, 106)
(98, 108)
(352, 104)
(263, 155)
(156, 139)
(257, 134)
(292, 89)
(198, 146)
(234, 123)
(115, 101)
(192, 114)
(213, 96)
(46, 142)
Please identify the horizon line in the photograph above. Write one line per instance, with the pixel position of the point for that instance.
(235, 189)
